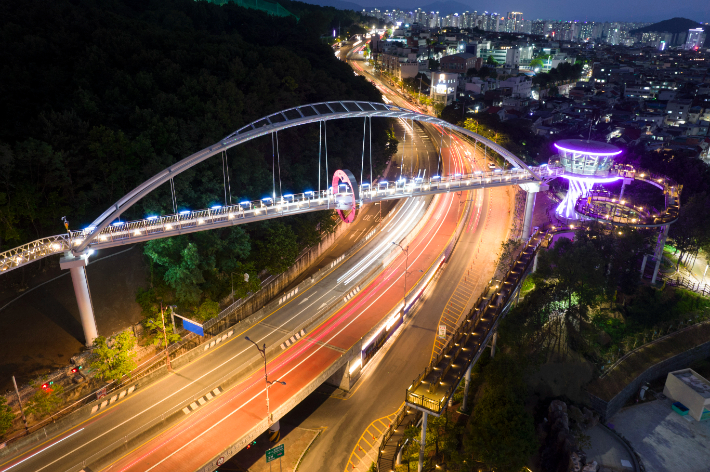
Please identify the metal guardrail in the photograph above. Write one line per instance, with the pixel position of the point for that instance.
(680, 281)
(490, 307)
(625, 213)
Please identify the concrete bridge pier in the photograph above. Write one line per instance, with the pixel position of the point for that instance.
(76, 266)
(422, 444)
(659, 252)
(531, 189)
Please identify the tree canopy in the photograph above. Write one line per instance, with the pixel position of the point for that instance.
(97, 98)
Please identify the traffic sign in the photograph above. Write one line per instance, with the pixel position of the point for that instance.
(442, 331)
(275, 453)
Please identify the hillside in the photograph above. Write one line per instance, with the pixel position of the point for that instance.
(99, 97)
(674, 25)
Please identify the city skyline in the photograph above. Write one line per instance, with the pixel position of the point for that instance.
(602, 10)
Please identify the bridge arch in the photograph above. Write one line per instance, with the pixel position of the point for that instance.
(297, 116)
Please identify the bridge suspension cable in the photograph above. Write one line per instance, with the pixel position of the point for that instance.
(278, 161)
(296, 116)
(362, 160)
(370, 152)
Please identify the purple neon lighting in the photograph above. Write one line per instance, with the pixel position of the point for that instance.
(590, 152)
(578, 186)
(593, 180)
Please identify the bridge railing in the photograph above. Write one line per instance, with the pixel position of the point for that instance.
(186, 221)
(631, 214)
(491, 299)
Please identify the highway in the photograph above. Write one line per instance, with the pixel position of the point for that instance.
(234, 413)
(194, 413)
(349, 422)
(194, 442)
(104, 431)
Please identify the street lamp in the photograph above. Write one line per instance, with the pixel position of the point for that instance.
(246, 279)
(262, 351)
(406, 269)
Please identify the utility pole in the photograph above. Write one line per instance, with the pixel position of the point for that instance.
(19, 399)
(165, 337)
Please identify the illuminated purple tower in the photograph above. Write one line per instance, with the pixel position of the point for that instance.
(585, 163)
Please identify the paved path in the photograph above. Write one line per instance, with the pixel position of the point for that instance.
(666, 441)
(607, 449)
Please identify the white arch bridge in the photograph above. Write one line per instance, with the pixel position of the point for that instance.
(346, 194)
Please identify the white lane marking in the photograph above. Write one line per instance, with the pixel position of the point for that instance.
(176, 392)
(385, 246)
(312, 341)
(30, 457)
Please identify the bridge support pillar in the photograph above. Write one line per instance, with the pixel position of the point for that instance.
(465, 387)
(643, 264)
(493, 344)
(624, 182)
(422, 445)
(76, 266)
(659, 252)
(531, 189)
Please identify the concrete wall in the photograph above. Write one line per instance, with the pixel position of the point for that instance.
(273, 286)
(607, 409)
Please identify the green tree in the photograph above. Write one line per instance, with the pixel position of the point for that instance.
(6, 416)
(45, 400)
(155, 330)
(501, 432)
(536, 64)
(115, 361)
(276, 248)
(692, 230)
(206, 311)
(577, 271)
(491, 61)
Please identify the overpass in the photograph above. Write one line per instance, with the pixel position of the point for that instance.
(346, 194)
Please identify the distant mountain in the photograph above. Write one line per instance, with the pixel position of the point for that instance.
(445, 7)
(339, 4)
(442, 6)
(674, 25)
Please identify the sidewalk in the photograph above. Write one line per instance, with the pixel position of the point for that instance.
(666, 441)
(296, 442)
(695, 271)
(607, 450)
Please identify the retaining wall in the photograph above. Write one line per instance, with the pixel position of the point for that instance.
(607, 409)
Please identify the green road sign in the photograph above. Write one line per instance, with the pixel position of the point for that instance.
(275, 453)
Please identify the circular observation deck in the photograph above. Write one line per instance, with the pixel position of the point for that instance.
(579, 157)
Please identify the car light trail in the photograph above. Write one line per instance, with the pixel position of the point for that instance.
(39, 452)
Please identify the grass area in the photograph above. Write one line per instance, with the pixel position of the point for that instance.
(650, 314)
(638, 362)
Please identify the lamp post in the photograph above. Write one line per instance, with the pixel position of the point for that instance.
(406, 269)
(246, 279)
(262, 351)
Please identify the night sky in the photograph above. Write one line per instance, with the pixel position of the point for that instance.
(591, 10)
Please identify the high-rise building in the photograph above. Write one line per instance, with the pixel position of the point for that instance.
(515, 22)
(695, 39)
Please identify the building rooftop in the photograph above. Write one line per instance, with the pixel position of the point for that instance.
(587, 147)
(696, 382)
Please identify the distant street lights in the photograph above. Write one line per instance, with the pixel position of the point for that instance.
(262, 351)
